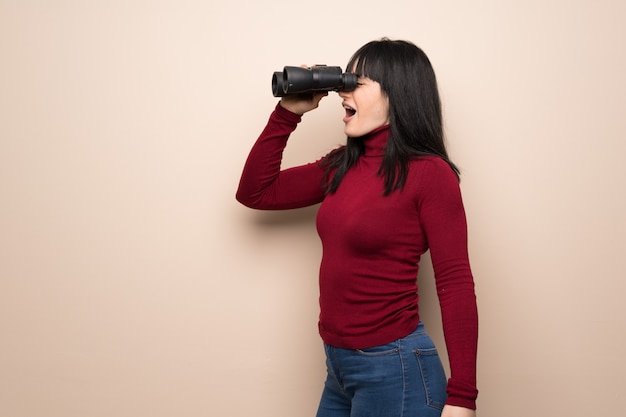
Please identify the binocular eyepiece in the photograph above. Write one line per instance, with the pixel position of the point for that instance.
(295, 80)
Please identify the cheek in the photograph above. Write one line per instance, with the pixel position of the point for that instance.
(383, 111)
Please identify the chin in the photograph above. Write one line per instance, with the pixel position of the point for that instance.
(354, 133)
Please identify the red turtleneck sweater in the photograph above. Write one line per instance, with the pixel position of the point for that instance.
(372, 246)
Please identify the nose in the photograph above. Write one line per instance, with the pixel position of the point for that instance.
(344, 94)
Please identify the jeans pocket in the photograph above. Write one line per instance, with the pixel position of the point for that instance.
(433, 377)
(382, 350)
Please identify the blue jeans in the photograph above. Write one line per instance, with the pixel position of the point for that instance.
(404, 378)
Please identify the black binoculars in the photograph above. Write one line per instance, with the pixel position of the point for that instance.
(296, 80)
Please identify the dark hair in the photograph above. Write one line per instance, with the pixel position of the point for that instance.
(408, 80)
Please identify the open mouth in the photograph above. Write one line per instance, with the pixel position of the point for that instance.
(349, 111)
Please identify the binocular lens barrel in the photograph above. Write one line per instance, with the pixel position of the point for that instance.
(295, 80)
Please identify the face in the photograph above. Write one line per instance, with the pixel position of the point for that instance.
(367, 108)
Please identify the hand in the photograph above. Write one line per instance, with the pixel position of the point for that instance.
(454, 411)
(304, 102)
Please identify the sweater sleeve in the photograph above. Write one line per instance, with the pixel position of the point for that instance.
(264, 185)
(443, 217)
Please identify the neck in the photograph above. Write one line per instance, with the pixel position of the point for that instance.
(376, 140)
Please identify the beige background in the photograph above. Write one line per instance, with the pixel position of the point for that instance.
(132, 283)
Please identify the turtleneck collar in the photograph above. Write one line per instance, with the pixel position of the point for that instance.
(375, 141)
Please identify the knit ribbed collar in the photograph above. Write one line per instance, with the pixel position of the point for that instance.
(375, 141)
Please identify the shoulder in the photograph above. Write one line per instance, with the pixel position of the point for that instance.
(436, 188)
(434, 170)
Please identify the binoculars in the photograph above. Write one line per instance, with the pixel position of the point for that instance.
(296, 80)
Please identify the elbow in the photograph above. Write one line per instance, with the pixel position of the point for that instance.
(243, 195)
(244, 199)
(247, 199)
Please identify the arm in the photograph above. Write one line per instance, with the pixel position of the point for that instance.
(263, 185)
(454, 411)
(443, 217)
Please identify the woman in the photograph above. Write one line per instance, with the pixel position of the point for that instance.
(389, 195)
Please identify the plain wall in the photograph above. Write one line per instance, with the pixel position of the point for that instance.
(133, 284)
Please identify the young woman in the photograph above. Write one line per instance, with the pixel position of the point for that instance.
(387, 196)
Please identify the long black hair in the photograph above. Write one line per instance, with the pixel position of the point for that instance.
(407, 79)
